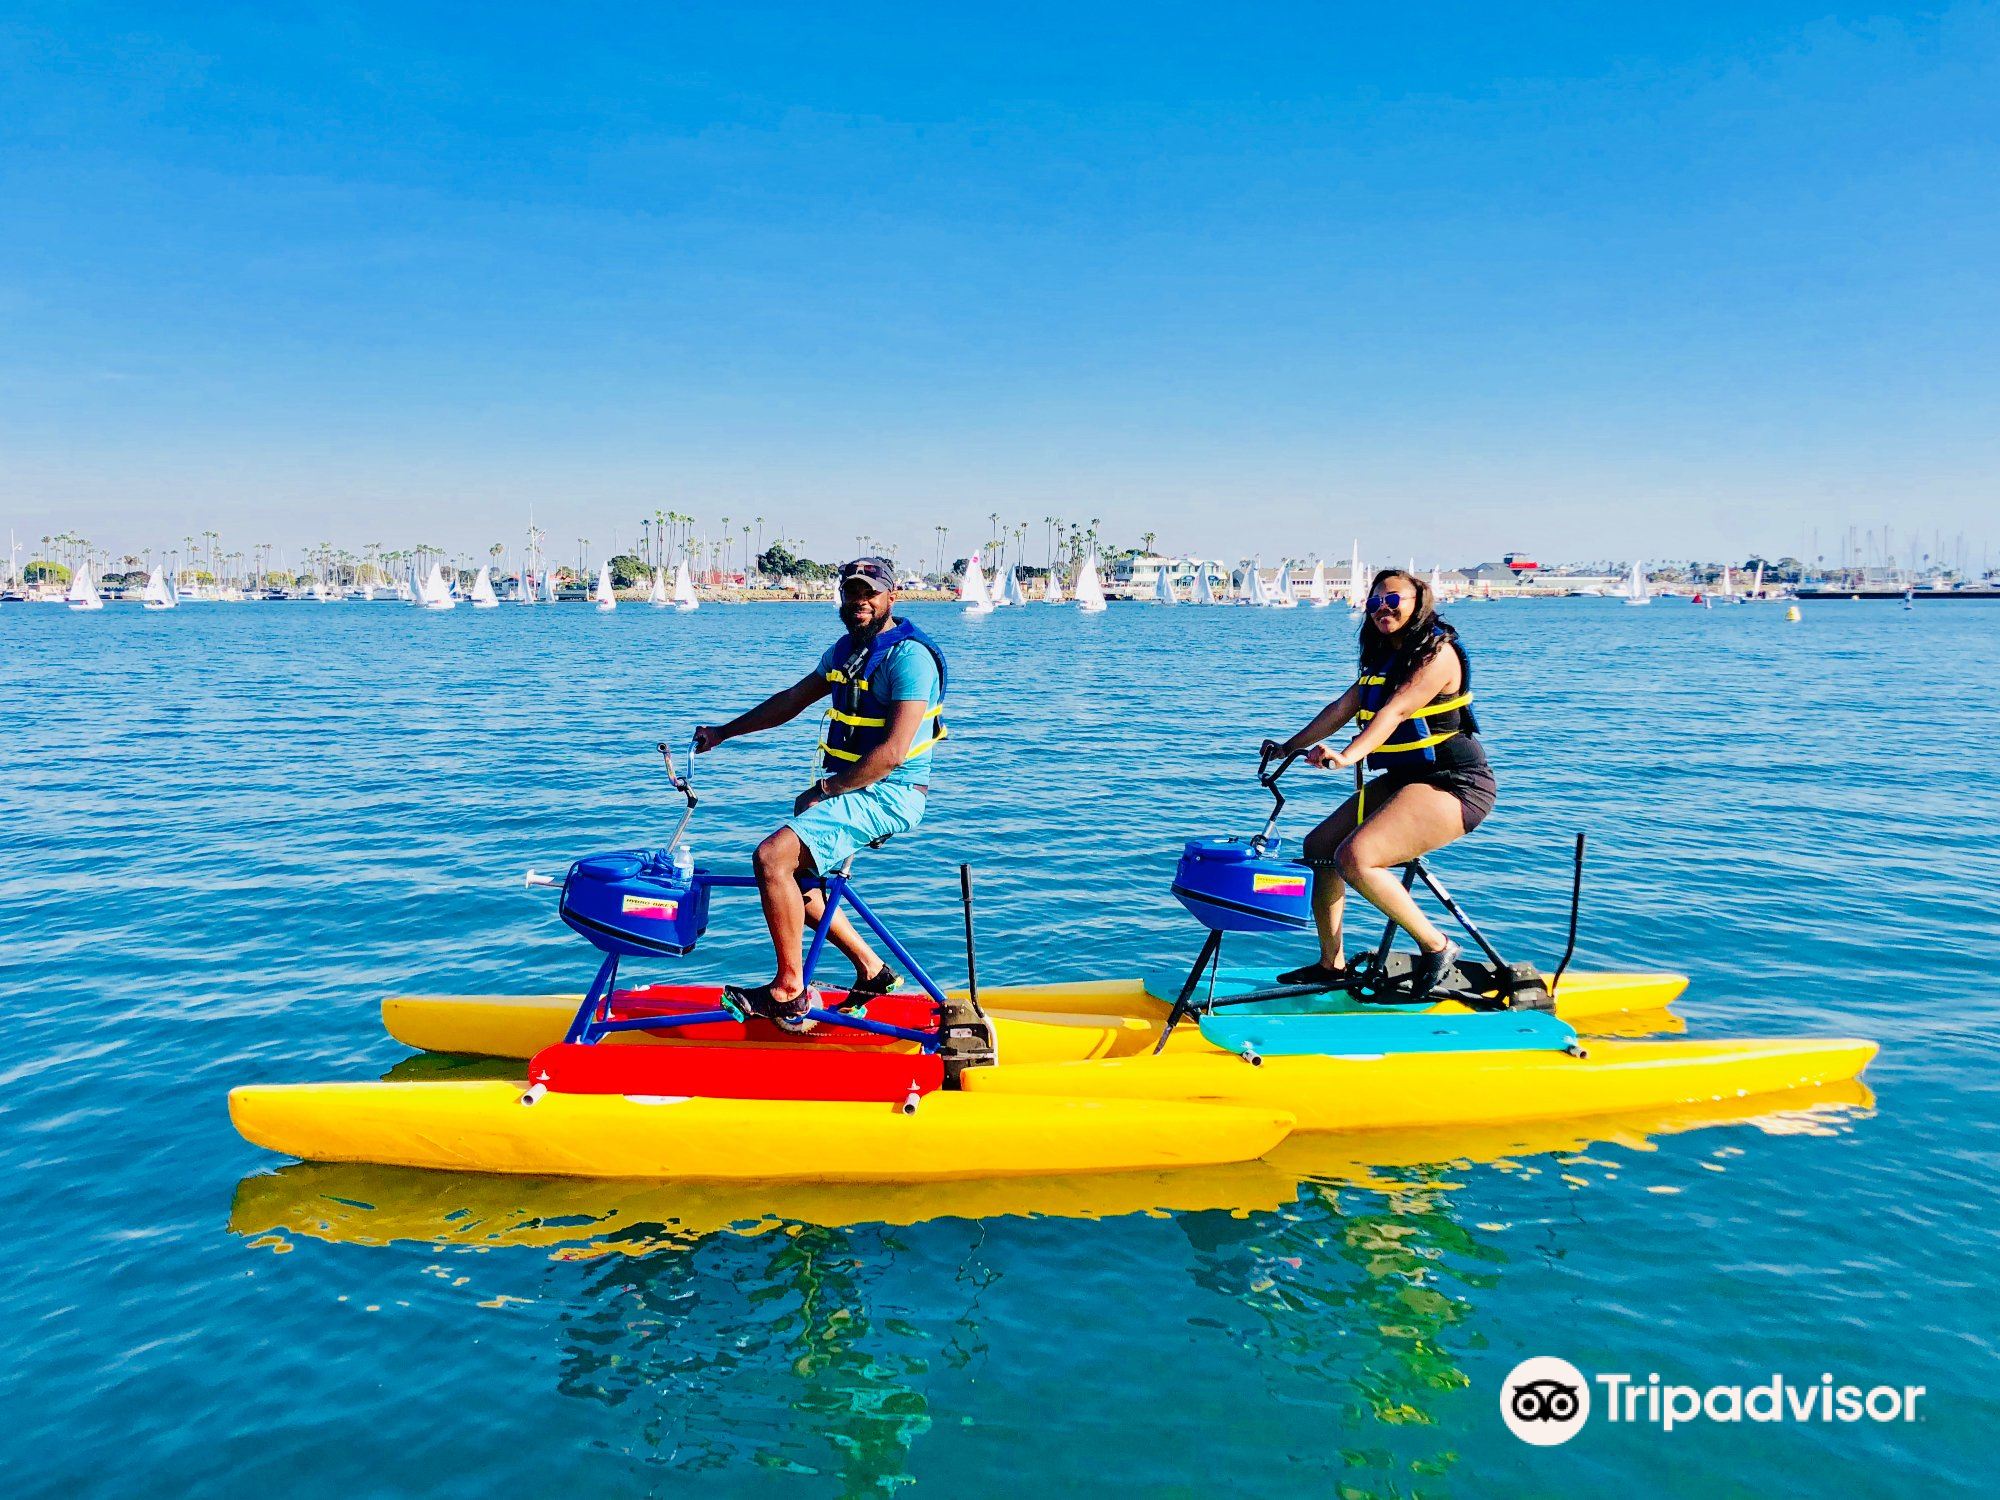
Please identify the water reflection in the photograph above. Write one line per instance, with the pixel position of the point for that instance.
(826, 1329)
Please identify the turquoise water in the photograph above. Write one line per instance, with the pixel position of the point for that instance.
(231, 830)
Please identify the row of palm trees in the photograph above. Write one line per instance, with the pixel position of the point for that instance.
(665, 538)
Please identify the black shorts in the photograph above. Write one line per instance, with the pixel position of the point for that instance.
(1472, 785)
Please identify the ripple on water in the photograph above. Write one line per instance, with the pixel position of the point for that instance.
(232, 830)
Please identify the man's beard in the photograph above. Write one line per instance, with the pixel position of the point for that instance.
(850, 615)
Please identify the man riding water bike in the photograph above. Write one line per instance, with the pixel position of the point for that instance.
(1413, 700)
(886, 679)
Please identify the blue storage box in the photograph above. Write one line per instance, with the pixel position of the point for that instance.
(635, 902)
(1230, 887)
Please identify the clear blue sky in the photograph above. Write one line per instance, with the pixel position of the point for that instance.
(1593, 280)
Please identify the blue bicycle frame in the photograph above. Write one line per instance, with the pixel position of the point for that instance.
(593, 1018)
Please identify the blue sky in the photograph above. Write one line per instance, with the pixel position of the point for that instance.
(1592, 280)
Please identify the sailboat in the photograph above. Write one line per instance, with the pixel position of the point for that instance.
(524, 591)
(483, 596)
(1163, 586)
(413, 588)
(1051, 590)
(548, 585)
(972, 589)
(437, 593)
(1089, 587)
(1636, 591)
(82, 591)
(158, 595)
(602, 596)
(1011, 591)
(1316, 590)
(657, 595)
(323, 594)
(1253, 585)
(1204, 591)
(1757, 585)
(1284, 597)
(684, 595)
(1357, 590)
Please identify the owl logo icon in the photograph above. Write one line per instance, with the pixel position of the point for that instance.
(1545, 1401)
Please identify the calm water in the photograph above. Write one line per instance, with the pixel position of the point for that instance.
(232, 829)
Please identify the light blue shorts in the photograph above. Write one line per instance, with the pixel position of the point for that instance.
(834, 829)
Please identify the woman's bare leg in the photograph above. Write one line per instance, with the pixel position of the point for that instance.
(1414, 820)
(1322, 852)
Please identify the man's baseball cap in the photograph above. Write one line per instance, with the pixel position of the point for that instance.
(876, 572)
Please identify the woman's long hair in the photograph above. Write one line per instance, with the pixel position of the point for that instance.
(1400, 656)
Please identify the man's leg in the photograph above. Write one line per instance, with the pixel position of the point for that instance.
(778, 863)
(843, 934)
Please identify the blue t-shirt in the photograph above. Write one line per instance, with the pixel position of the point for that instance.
(909, 672)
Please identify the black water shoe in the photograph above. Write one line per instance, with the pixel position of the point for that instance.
(884, 981)
(789, 1015)
(1430, 969)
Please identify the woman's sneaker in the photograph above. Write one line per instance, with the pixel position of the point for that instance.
(1430, 970)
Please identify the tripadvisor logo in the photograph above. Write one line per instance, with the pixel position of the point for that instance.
(1546, 1401)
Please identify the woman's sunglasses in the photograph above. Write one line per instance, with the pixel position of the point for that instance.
(1384, 601)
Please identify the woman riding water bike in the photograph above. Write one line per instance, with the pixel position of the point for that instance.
(1413, 700)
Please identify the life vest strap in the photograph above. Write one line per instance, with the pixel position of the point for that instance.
(1423, 744)
(915, 750)
(1442, 706)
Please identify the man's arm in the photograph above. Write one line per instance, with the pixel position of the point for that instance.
(780, 708)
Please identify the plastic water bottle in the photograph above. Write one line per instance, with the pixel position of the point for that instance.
(684, 861)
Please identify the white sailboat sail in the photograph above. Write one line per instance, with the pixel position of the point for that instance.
(1204, 591)
(657, 595)
(1163, 586)
(1757, 585)
(158, 595)
(413, 588)
(1316, 590)
(1437, 584)
(1011, 591)
(1728, 583)
(524, 591)
(1284, 596)
(1636, 591)
(1357, 587)
(548, 585)
(83, 590)
(602, 596)
(1051, 590)
(1257, 593)
(972, 588)
(437, 593)
(1089, 587)
(684, 595)
(483, 596)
